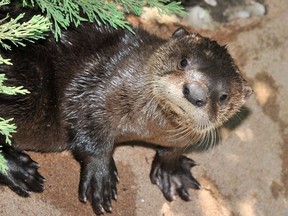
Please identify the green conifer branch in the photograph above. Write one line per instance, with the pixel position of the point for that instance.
(7, 128)
(3, 164)
(10, 90)
(135, 6)
(5, 61)
(6, 125)
(4, 2)
(170, 7)
(64, 12)
(104, 12)
(17, 32)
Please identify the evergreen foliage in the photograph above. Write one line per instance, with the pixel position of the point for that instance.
(59, 14)
(64, 12)
(10, 90)
(17, 33)
(7, 128)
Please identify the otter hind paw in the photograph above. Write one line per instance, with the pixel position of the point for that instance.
(22, 175)
(174, 177)
(98, 186)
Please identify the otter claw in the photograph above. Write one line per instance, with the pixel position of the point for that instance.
(174, 177)
(22, 176)
(98, 209)
(98, 185)
(183, 193)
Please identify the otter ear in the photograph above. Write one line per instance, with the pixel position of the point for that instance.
(180, 32)
(248, 91)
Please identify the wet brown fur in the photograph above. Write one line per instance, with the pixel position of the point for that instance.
(98, 86)
(62, 78)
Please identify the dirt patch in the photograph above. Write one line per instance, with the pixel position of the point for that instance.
(164, 27)
(276, 189)
(266, 91)
(213, 200)
(62, 178)
(285, 164)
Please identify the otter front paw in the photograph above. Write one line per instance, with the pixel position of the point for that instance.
(22, 175)
(98, 185)
(174, 177)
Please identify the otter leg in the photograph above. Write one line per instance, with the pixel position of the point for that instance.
(22, 175)
(98, 178)
(171, 173)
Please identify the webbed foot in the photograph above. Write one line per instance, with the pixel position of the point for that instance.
(173, 176)
(22, 175)
(98, 184)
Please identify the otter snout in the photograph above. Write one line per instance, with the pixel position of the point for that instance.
(195, 94)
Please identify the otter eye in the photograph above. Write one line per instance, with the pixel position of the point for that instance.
(223, 98)
(184, 63)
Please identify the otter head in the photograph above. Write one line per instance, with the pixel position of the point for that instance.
(196, 81)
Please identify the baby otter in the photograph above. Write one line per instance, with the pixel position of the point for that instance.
(99, 86)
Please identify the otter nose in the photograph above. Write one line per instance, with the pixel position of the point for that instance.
(195, 94)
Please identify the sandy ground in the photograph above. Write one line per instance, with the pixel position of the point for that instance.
(247, 174)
